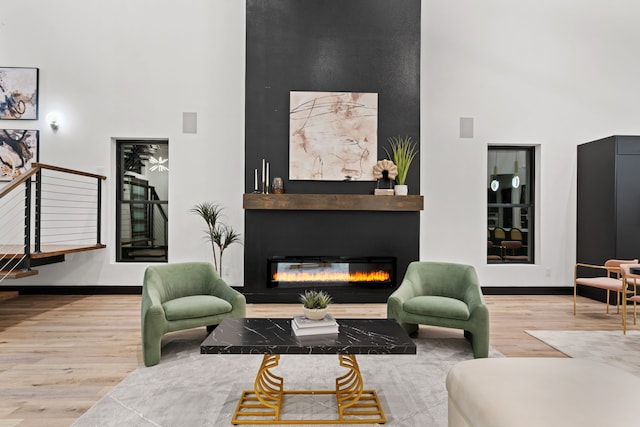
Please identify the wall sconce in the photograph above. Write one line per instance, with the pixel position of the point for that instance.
(54, 119)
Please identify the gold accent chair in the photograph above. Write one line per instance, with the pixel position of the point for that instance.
(610, 279)
(630, 279)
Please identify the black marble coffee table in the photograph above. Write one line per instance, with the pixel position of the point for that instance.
(274, 337)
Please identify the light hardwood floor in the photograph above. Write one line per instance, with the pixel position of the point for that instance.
(61, 354)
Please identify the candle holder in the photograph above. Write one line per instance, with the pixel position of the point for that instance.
(265, 177)
(256, 189)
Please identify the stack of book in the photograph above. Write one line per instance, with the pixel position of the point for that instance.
(303, 326)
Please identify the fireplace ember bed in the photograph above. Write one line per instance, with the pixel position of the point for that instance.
(316, 272)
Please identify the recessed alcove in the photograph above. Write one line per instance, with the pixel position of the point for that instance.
(272, 233)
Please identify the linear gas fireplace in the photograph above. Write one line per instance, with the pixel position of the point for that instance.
(310, 271)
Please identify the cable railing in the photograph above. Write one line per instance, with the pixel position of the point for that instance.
(12, 242)
(48, 211)
(159, 225)
(143, 230)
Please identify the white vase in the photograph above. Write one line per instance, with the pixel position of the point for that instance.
(401, 190)
(314, 313)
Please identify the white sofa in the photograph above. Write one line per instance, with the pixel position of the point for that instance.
(541, 392)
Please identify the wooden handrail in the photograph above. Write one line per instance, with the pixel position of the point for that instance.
(16, 182)
(75, 172)
(32, 248)
(38, 166)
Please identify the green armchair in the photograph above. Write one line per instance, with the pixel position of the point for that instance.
(183, 296)
(442, 294)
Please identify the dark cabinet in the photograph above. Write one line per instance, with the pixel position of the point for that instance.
(608, 202)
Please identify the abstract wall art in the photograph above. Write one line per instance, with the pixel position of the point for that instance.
(18, 150)
(18, 93)
(333, 136)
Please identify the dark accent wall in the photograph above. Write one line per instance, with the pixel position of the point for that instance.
(333, 46)
(326, 233)
(608, 204)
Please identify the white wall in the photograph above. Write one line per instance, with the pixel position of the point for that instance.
(129, 69)
(554, 73)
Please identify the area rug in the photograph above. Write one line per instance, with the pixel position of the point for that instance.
(610, 347)
(190, 389)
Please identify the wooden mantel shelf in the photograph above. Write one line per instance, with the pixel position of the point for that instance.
(332, 202)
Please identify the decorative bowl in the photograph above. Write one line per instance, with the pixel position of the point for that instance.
(315, 313)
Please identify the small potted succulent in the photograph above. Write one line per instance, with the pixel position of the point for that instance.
(315, 304)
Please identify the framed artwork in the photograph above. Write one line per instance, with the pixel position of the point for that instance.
(18, 93)
(333, 136)
(18, 150)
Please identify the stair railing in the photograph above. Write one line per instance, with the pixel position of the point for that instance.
(159, 227)
(48, 209)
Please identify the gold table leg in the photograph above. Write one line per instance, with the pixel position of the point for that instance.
(262, 405)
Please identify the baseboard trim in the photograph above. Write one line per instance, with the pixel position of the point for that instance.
(74, 290)
(137, 290)
(527, 290)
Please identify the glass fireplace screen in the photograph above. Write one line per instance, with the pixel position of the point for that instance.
(305, 272)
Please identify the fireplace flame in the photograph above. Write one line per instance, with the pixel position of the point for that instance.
(302, 276)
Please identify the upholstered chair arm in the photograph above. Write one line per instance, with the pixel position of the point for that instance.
(405, 291)
(152, 311)
(151, 298)
(472, 292)
(473, 297)
(153, 324)
(478, 326)
(219, 288)
(479, 313)
(237, 300)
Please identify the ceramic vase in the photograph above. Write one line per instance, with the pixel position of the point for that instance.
(401, 190)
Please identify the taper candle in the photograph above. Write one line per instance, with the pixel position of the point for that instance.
(255, 180)
(263, 171)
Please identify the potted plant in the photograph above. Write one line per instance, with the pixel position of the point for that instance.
(315, 304)
(217, 232)
(403, 151)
